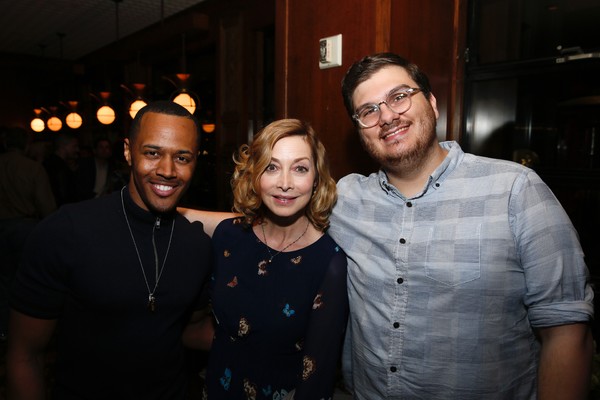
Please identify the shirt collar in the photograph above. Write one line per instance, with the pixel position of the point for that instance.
(439, 175)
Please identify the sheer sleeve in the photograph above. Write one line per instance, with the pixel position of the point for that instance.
(325, 334)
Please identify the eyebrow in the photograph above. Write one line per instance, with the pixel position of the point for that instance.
(155, 147)
(395, 89)
(293, 161)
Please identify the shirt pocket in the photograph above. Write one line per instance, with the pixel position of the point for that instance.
(454, 253)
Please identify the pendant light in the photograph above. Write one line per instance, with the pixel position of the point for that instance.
(183, 96)
(138, 99)
(105, 114)
(37, 123)
(73, 119)
(54, 123)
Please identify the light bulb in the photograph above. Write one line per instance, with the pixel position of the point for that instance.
(136, 106)
(185, 100)
(37, 124)
(73, 120)
(54, 124)
(106, 115)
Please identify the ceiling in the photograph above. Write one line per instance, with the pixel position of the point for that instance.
(71, 29)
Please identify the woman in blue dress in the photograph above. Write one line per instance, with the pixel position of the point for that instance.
(278, 292)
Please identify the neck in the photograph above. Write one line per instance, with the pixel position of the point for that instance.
(410, 179)
(279, 236)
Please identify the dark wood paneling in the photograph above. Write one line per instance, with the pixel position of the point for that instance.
(304, 91)
(423, 31)
(428, 32)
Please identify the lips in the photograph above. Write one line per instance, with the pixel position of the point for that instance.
(283, 200)
(163, 190)
(394, 131)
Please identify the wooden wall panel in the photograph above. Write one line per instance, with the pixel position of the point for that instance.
(303, 90)
(422, 31)
(430, 36)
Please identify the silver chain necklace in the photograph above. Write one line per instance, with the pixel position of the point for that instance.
(272, 256)
(158, 274)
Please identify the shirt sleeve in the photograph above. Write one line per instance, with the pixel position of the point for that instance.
(557, 279)
(325, 333)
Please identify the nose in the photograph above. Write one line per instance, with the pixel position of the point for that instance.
(285, 181)
(166, 168)
(386, 114)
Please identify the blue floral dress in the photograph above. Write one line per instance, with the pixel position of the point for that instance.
(280, 325)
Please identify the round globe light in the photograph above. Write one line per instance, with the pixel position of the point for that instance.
(54, 124)
(136, 106)
(185, 100)
(73, 120)
(106, 115)
(37, 125)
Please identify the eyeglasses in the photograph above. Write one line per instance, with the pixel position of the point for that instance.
(398, 101)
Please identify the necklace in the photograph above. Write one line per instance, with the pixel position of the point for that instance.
(157, 273)
(272, 256)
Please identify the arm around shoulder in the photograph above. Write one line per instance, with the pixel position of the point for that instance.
(199, 332)
(210, 219)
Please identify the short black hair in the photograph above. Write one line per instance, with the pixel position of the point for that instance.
(165, 107)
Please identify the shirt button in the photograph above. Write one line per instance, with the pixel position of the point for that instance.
(393, 369)
(437, 185)
(396, 325)
(400, 280)
(402, 240)
(409, 204)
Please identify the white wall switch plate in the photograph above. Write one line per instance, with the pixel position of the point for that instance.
(330, 52)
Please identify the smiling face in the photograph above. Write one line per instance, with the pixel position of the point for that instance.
(398, 139)
(287, 183)
(162, 157)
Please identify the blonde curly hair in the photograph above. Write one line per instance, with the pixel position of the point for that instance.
(252, 160)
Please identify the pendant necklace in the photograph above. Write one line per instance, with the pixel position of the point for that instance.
(272, 256)
(157, 272)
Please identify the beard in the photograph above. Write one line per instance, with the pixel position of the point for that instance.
(402, 156)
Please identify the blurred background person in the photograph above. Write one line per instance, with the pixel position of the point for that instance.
(25, 198)
(95, 173)
(61, 166)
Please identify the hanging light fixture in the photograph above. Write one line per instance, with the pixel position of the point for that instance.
(73, 119)
(136, 106)
(208, 122)
(208, 127)
(138, 102)
(54, 123)
(37, 124)
(105, 114)
(183, 96)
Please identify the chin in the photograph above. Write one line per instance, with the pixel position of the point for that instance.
(162, 208)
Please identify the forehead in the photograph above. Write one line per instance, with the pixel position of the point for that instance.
(291, 147)
(378, 85)
(167, 131)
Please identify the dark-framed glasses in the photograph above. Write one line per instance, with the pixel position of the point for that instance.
(398, 101)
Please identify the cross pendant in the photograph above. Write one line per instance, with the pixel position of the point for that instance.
(151, 303)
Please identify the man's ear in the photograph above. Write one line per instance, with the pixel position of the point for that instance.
(127, 151)
(433, 102)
